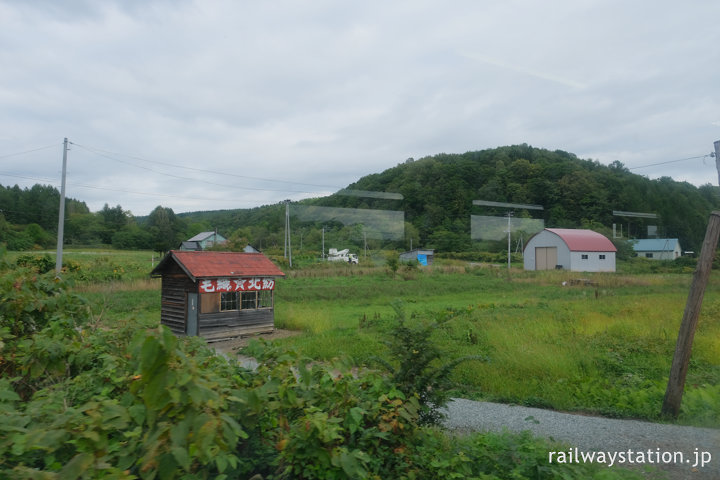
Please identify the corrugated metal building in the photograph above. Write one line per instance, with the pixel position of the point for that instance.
(658, 248)
(217, 295)
(576, 250)
(424, 256)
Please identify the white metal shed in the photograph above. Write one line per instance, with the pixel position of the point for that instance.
(577, 250)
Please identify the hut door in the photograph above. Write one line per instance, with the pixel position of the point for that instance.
(192, 315)
(545, 258)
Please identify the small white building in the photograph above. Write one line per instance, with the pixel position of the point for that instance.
(576, 250)
(658, 248)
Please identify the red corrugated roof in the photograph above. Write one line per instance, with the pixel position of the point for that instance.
(222, 264)
(583, 240)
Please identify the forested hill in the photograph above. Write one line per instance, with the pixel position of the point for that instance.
(439, 190)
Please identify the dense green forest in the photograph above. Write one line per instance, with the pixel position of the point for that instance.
(438, 193)
(437, 201)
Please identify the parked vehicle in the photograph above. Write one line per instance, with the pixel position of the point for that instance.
(335, 255)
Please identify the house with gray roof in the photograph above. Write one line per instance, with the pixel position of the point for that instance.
(658, 248)
(202, 241)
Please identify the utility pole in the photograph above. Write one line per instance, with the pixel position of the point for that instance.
(288, 247)
(717, 158)
(323, 243)
(509, 215)
(683, 347)
(61, 214)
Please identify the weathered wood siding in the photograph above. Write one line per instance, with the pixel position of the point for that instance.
(175, 286)
(217, 326)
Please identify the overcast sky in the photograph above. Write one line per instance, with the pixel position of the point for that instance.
(210, 104)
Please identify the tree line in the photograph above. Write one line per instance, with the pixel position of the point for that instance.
(438, 193)
(29, 220)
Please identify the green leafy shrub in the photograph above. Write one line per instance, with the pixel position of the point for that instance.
(40, 263)
(414, 366)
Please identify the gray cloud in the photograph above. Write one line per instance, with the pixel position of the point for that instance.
(321, 94)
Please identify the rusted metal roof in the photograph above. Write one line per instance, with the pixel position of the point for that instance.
(219, 264)
(579, 240)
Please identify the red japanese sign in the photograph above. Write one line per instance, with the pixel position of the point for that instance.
(236, 284)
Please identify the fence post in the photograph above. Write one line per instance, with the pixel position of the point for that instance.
(681, 359)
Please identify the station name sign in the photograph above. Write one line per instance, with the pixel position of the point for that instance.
(250, 284)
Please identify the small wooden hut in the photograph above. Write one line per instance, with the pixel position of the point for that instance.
(217, 295)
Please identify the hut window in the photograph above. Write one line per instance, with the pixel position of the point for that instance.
(602, 257)
(584, 257)
(248, 300)
(209, 302)
(228, 301)
(265, 299)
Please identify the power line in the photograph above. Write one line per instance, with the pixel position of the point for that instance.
(670, 161)
(193, 179)
(107, 154)
(27, 151)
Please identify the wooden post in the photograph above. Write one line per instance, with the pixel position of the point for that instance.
(681, 359)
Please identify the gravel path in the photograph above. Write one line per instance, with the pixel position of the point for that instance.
(597, 434)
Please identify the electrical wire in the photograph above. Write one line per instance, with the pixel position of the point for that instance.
(107, 154)
(27, 151)
(671, 161)
(194, 179)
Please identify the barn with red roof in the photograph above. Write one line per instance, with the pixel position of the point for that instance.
(217, 295)
(576, 250)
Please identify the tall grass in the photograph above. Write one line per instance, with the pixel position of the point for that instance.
(604, 346)
(551, 338)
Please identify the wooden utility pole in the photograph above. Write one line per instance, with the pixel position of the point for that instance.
(61, 215)
(681, 359)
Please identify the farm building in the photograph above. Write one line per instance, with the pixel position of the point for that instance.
(217, 295)
(569, 249)
(658, 248)
(203, 240)
(423, 256)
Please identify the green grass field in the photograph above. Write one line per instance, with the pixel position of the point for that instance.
(603, 348)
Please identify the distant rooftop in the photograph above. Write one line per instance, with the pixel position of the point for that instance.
(580, 240)
(201, 236)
